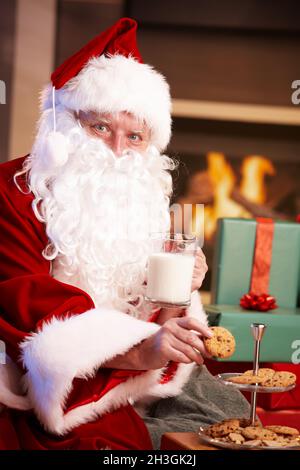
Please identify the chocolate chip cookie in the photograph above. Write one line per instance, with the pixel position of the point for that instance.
(222, 344)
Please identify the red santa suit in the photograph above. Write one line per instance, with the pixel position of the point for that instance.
(59, 340)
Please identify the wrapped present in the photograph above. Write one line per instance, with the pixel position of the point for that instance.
(234, 256)
(256, 279)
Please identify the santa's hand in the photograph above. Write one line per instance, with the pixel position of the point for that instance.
(200, 269)
(177, 340)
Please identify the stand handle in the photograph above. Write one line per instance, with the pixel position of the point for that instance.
(258, 330)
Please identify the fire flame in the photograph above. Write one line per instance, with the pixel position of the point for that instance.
(253, 170)
(223, 180)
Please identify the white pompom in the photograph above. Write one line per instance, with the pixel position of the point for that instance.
(56, 149)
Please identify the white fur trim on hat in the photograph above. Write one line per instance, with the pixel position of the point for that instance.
(115, 84)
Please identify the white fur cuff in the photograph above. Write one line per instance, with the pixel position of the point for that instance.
(74, 347)
(196, 309)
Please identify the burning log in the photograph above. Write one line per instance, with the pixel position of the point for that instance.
(257, 210)
(280, 189)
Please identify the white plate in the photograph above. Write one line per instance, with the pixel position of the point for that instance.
(231, 445)
(251, 388)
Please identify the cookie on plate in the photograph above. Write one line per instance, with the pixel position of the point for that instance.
(257, 432)
(282, 379)
(222, 344)
(252, 443)
(223, 428)
(265, 373)
(236, 437)
(245, 422)
(246, 379)
(285, 430)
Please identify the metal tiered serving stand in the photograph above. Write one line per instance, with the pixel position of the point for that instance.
(257, 330)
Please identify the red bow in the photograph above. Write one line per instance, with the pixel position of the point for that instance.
(262, 303)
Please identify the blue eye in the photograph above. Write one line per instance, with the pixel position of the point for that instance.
(100, 127)
(134, 137)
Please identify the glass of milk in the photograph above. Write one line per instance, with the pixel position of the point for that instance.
(170, 269)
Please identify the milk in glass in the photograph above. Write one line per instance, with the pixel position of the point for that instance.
(170, 277)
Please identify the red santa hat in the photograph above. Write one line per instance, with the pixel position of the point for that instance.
(107, 75)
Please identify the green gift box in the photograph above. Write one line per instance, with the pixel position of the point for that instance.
(232, 270)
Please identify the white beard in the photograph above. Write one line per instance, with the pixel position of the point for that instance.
(99, 212)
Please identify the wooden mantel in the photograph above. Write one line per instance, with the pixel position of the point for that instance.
(197, 109)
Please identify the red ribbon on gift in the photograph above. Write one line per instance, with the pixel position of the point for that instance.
(258, 297)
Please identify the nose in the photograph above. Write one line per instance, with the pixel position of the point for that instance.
(118, 144)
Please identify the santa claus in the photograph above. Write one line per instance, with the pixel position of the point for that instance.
(85, 352)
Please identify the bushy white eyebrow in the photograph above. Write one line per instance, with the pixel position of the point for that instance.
(102, 119)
